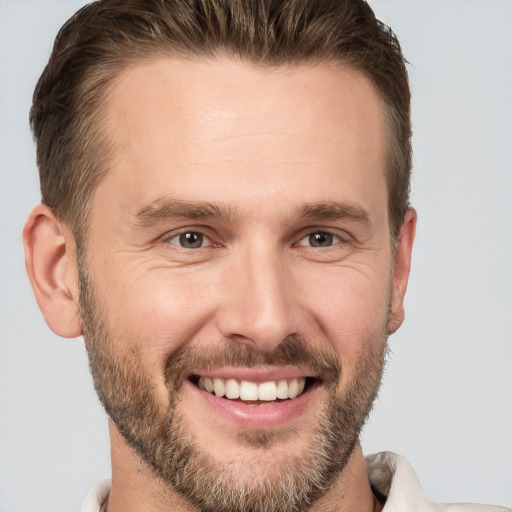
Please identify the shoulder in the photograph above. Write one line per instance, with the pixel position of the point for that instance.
(391, 476)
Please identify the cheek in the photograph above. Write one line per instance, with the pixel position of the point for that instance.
(351, 309)
(163, 309)
(157, 310)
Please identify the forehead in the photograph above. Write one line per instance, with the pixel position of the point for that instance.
(228, 130)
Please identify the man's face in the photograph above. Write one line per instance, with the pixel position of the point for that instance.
(241, 240)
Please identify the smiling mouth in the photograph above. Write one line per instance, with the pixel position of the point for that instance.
(254, 392)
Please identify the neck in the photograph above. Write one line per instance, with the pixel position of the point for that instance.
(352, 490)
(136, 489)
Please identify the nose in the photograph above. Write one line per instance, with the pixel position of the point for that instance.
(259, 307)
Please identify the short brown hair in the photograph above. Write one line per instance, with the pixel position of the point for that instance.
(102, 38)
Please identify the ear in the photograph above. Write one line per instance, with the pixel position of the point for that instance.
(401, 270)
(50, 261)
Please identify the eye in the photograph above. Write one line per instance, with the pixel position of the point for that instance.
(320, 239)
(190, 240)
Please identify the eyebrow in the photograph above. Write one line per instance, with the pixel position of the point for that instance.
(165, 209)
(333, 210)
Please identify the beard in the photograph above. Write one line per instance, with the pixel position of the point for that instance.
(163, 439)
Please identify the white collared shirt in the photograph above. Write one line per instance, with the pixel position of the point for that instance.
(389, 474)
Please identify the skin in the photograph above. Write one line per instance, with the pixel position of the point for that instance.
(262, 145)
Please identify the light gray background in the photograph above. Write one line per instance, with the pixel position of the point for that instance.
(446, 399)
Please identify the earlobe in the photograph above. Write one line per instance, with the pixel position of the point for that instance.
(401, 270)
(51, 266)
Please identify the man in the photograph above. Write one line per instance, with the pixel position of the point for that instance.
(225, 218)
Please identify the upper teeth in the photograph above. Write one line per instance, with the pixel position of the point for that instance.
(246, 390)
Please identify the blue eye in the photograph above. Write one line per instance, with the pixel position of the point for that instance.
(189, 240)
(320, 239)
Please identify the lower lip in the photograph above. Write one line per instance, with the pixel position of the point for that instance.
(264, 415)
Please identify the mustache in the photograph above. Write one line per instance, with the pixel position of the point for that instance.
(292, 351)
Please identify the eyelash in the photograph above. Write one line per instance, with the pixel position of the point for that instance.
(198, 233)
(332, 238)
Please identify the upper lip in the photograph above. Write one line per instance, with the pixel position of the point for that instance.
(257, 375)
